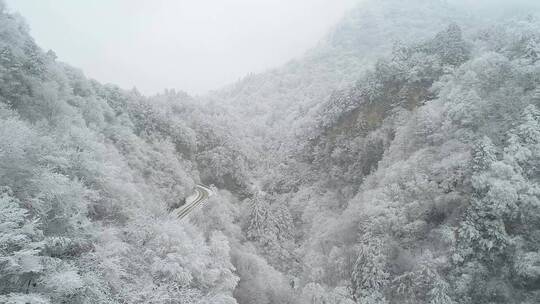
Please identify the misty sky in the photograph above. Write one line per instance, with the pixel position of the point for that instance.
(191, 45)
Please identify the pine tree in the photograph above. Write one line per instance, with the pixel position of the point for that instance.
(524, 143)
(261, 222)
(532, 50)
(449, 44)
(484, 154)
(438, 294)
(20, 246)
(283, 222)
(369, 275)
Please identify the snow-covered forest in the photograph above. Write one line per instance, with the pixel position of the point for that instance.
(397, 162)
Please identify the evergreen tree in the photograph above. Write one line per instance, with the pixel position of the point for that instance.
(261, 222)
(21, 263)
(369, 275)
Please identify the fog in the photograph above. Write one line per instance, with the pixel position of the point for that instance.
(396, 162)
(191, 45)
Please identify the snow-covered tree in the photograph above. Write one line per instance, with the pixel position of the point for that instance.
(369, 275)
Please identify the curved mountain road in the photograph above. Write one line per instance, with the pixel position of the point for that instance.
(202, 193)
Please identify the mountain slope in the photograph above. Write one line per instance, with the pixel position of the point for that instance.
(419, 183)
(87, 173)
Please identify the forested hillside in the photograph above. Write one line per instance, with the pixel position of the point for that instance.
(87, 173)
(397, 162)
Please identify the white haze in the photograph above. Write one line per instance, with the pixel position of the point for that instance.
(396, 162)
(191, 45)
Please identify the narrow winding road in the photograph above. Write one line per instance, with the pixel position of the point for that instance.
(202, 193)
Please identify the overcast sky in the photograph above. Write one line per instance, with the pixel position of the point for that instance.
(191, 45)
